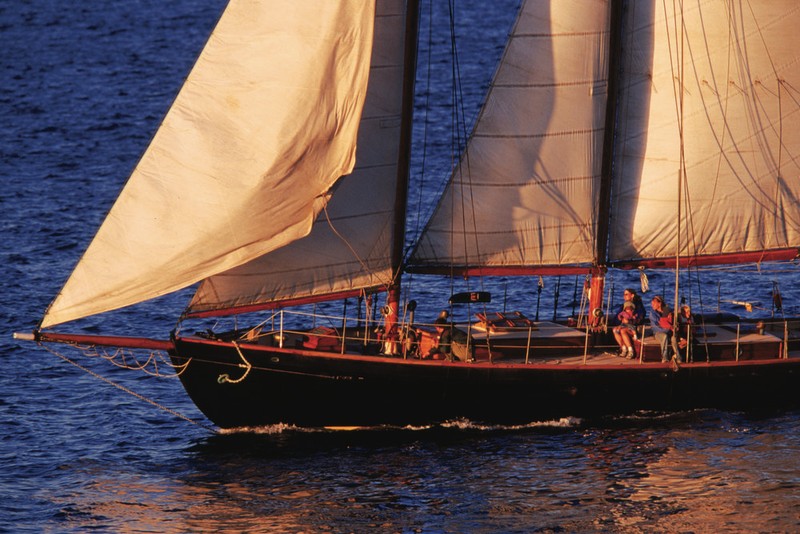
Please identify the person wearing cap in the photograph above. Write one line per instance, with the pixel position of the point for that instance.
(661, 323)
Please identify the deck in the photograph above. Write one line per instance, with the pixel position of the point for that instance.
(551, 343)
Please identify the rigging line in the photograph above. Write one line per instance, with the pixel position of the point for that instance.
(470, 189)
(734, 48)
(426, 108)
(725, 130)
(94, 351)
(676, 57)
(683, 181)
(777, 79)
(780, 107)
(460, 134)
(454, 150)
(681, 169)
(755, 133)
(153, 358)
(691, 241)
(355, 254)
(128, 391)
(459, 139)
(672, 59)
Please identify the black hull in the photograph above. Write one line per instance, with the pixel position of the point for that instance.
(313, 389)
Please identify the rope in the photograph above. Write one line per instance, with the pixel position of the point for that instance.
(225, 378)
(122, 353)
(344, 240)
(129, 391)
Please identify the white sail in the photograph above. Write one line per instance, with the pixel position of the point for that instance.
(350, 244)
(720, 81)
(525, 192)
(242, 186)
(264, 125)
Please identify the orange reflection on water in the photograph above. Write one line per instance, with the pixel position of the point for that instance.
(136, 504)
(700, 487)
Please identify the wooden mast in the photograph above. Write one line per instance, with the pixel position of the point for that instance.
(391, 311)
(604, 206)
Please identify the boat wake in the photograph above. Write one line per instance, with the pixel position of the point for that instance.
(456, 424)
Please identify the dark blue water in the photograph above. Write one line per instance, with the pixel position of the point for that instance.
(82, 90)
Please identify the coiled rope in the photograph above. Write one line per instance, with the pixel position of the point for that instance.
(225, 378)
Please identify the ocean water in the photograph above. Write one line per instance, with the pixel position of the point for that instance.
(88, 446)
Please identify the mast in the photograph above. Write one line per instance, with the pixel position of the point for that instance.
(404, 157)
(604, 204)
(681, 172)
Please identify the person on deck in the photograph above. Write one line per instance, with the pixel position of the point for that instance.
(685, 332)
(631, 315)
(453, 343)
(625, 331)
(661, 323)
(443, 348)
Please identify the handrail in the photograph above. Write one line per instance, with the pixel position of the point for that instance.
(525, 341)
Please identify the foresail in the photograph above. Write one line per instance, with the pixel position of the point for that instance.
(264, 125)
(349, 247)
(525, 193)
(720, 82)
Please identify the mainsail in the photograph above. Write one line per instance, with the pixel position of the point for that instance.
(710, 93)
(264, 125)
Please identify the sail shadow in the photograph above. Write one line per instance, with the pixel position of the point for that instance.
(631, 131)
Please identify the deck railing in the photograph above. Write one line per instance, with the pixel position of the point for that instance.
(295, 329)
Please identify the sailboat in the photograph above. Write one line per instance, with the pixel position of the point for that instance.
(615, 135)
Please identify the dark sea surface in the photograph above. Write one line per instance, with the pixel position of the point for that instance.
(83, 87)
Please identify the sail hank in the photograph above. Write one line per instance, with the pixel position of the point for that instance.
(264, 125)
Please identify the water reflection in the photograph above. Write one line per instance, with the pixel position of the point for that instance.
(693, 472)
